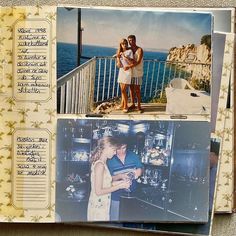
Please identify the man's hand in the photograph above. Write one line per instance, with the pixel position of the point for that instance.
(124, 176)
(137, 172)
(126, 68)
(119, 65)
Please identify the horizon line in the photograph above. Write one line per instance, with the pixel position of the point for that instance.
(114, 47)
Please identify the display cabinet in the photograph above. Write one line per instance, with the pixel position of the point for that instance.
(73, 168)
(175, 175)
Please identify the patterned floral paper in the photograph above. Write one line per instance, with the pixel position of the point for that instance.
(224, 130)
(24, 118)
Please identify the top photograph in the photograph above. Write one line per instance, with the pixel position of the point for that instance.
(123, 61)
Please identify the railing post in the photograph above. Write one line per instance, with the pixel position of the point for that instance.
(73, 92)
(62, 98)
(99, 77)
(68, 96)
(109, 80)
(76, 92)
(163, 80)
(157, 78)
(104, 79)
(153, 72)
(145, 89)
(92, 83)
(114, 81)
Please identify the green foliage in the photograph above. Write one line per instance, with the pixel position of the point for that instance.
(162, 99)
(206, 39)
(201, 84)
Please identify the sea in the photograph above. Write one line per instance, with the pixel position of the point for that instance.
(67, 58)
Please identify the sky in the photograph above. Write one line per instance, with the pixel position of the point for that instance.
(156, 30)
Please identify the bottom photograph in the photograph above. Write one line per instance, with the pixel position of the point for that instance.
(130, 170)
(181, 228)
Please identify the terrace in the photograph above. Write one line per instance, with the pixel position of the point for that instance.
(95, 81)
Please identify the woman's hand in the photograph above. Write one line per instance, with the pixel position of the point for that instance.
(122, 54)
(124, 184)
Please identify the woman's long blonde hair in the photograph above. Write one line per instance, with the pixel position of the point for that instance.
(102, 144)
(120, 49)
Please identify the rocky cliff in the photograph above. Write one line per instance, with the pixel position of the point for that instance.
(199, 55)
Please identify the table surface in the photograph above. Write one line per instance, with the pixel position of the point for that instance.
(224, 225)
(182, 101)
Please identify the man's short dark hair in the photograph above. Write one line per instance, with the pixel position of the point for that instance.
(132, 37)
(122, 140)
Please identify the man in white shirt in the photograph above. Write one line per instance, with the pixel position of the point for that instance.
(137, 73)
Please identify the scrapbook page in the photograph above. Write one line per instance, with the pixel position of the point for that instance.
(33, 97)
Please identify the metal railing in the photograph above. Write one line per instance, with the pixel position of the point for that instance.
(96, 81)
(75, 89)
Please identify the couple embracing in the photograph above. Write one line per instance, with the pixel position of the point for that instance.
(112, 165)
(130, 62)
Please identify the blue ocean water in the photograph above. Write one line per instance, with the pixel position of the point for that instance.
(152, 78)
(67, 55)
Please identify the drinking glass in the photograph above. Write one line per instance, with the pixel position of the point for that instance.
(131, 177)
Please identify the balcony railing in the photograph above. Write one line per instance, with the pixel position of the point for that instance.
(75, 89)
(95, 81)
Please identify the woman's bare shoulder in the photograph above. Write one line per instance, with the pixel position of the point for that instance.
(99, 164)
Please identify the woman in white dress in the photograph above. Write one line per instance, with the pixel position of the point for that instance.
(124, 61)
(101, 181)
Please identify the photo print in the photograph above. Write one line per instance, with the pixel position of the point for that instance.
(150, 62)
(181, 228)
(158, 170)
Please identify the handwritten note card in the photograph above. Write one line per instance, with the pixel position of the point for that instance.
(31, 168)
(32, 60)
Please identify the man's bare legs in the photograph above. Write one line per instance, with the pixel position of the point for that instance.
(135, 91)
(138, 95)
